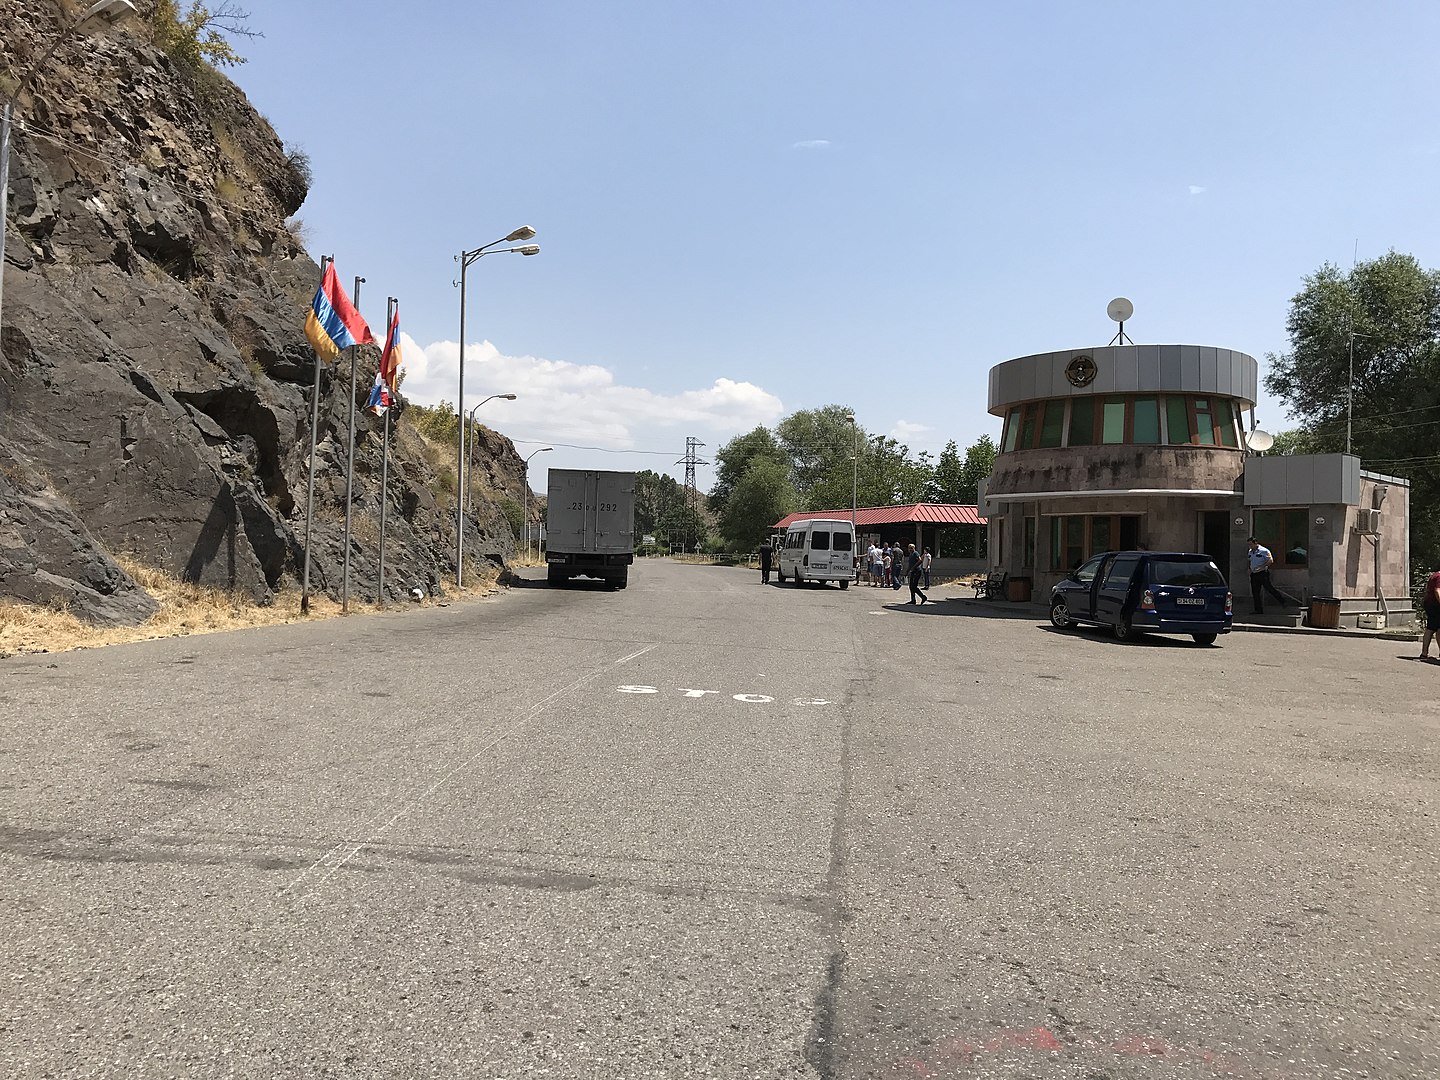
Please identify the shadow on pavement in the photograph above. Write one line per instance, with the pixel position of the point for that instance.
(953, 606)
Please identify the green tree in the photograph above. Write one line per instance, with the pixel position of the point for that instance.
(819, 445)
(947, 482)
(1391, 306)
(199, 35)
(734, 458)
(658, 498)
(979, 463)
(759, 499)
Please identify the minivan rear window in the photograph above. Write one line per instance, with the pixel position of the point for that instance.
(842, 541)
(1185, 572)
(819, 541)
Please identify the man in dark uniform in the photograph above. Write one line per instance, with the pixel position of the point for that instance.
(767, 553)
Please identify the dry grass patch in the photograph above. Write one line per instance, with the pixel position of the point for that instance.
(186, 609)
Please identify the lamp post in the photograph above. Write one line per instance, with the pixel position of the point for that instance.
(525, 511)
(109, 12)
(464, 488)
(854, 472)
(465, 258)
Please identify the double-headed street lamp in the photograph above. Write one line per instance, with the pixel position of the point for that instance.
(105, 13)
(465, 258)
(525, 511)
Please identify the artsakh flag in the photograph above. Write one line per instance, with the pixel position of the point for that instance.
(382, 395)
(333, 323)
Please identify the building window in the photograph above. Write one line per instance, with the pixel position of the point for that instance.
(1076, 537)
(1028, 561)
(1052, 427)
(1012, 429)
(1177, 419)
(1082, 422)
(1147, 421)
(1112, 428)
(1204, 422)
(1286, 533)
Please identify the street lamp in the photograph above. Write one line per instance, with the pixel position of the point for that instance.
(106, 12)
(854, 472)
(465, 258)
(525, 510)
(464, 486)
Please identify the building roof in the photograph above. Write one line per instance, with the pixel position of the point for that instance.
(912, 514)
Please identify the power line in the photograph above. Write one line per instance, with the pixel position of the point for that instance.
(601, 449)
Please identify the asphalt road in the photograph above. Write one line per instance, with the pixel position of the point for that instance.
(706, 828)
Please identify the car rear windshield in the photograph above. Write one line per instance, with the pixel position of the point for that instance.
(1185, 572)
(819, 541)
(842, 541)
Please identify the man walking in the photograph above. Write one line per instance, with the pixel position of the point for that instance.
(913, 570)
(1260, 562)
(767, 555)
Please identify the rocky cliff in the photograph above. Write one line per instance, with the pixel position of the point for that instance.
(155, 379)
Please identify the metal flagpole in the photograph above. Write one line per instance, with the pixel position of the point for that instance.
(390, 303)
(325, 261)
(354, 351)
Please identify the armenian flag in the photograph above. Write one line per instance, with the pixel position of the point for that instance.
(382, 394)
(333, 323)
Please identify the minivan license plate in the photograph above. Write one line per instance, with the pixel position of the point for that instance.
(1199, 600)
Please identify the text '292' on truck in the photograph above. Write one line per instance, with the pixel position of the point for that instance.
(590, 526)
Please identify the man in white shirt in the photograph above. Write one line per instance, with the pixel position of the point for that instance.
(1260, 562)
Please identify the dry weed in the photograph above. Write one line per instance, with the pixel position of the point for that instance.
(185, 609)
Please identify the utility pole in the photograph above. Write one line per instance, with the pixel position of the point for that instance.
(690, 460)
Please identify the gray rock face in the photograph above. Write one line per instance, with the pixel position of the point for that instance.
(154, 376)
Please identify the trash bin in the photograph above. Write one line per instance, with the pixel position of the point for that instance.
(1324, 612)
(1018, 589)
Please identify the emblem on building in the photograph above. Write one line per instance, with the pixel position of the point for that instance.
(1081, 371)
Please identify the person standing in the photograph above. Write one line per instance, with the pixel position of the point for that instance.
(925, 566)
(767, 556)
(1260, 562)
(897, 561)
(913, 570)
(885, 567)
(873, 554)
(1430, 603)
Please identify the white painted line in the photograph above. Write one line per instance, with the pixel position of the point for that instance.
(642, 652)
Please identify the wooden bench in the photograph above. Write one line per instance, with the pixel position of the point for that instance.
(992, 588)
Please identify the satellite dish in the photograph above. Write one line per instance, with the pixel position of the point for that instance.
(1120, 309)
(1259, 440)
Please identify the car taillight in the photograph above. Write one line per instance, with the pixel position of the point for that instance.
(1147, 601)
(1229, 599)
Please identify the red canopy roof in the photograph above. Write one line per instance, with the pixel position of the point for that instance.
(917, 513)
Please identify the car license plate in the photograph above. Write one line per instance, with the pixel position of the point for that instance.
(1196, 600)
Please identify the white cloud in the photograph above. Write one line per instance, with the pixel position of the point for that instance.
(582, 403)
(909, 434)
(1196, 189)
(811, 144)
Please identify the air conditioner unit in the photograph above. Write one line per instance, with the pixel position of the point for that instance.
(1367, 522)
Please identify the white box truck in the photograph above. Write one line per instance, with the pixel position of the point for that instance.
(590, 525)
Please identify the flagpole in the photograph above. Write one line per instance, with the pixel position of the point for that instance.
(325, 260)
(354, 351)
(390, 303)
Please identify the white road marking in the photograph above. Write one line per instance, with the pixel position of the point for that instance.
(641, 652)
(758, 699)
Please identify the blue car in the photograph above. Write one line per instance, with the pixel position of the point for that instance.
(1145, 592)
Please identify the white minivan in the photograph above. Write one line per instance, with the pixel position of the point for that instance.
(819, 549)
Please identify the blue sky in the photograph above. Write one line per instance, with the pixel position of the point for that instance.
(746, 209)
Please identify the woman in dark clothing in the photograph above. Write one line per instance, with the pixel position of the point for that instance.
(1431, 604)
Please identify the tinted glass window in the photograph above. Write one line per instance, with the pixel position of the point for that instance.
(1120, 571)
(1147, 420)
(1177, 417)
(1086, 572)
(1204, 422)
(842, 541)
(1185, 572)
(819, 541)
(1053, 424)
(1113, 414)
(1012, 429)
(1082, 422)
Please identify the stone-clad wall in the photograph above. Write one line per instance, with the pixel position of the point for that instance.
(1110, 468)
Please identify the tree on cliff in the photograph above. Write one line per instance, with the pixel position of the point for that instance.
(1391, 305)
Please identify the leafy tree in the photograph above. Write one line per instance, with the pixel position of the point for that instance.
(759, 499)
(1391, 306)
(734, 459)
(818, 444)
(979, 463)
(199, 35)
(946, 482)
(1295, 441)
